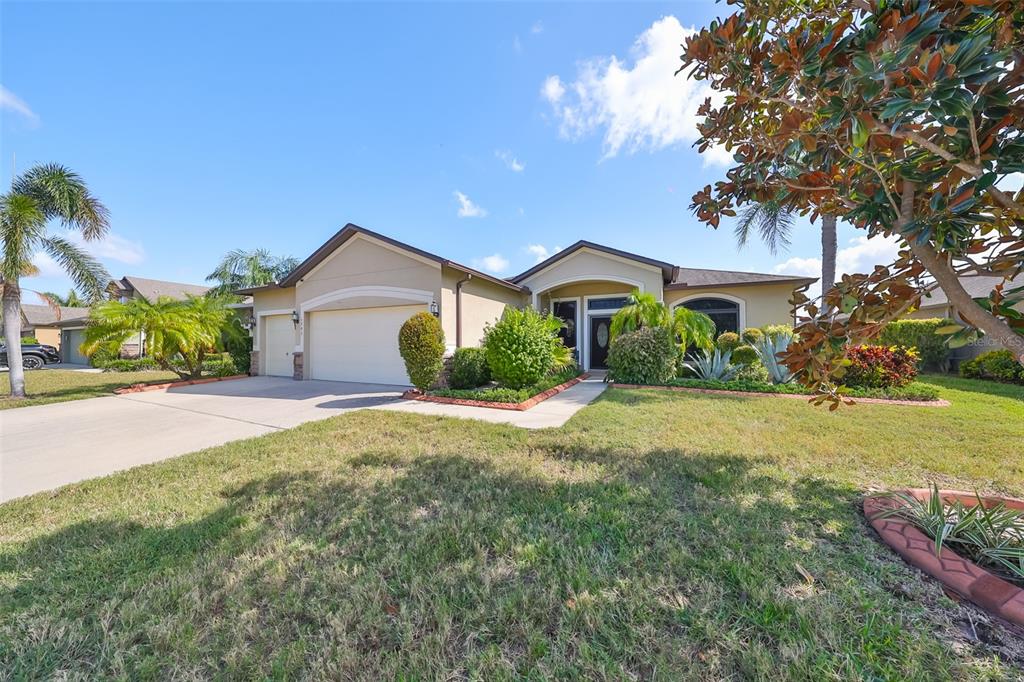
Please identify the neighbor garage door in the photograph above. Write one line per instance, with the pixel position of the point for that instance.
(70, 342)
(358, 345)
(279, 345)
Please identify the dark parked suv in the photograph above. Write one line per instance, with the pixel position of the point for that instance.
(33, 355)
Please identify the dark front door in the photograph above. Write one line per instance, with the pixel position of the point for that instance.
(600, 328)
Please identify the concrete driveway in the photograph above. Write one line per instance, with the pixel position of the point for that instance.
(47, 446)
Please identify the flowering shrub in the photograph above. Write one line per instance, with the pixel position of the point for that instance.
(880, 366)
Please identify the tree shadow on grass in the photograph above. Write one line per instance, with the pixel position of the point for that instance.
(587, 565)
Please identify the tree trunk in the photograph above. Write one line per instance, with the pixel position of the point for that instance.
(12, 337)
(949, 282)
(828, 252)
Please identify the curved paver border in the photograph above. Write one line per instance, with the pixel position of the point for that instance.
(960, 575)
(750, 394)
(141, 388)
(519, 407)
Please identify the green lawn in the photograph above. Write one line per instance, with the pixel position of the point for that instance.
(58, 385)
(657, 535)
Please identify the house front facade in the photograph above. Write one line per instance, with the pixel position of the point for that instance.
(336, 316)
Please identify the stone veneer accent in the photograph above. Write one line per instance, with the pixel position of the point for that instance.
(297, 365)
(254, 363)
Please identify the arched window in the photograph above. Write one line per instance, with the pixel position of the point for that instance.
(724, 313)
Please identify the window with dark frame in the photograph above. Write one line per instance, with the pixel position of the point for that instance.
(724, 313)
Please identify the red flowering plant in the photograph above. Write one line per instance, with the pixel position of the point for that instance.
(880, 366)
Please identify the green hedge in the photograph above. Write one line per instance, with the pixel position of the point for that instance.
(645, 356)
(523, 347)
(421, 344)
(912, 391)
(995, 365)
(509, 395)
(128, 365)
(920, 334)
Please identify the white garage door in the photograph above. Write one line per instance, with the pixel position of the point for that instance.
(279, 345)
(359, 345)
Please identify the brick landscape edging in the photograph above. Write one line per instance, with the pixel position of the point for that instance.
(414, 394)
(141, 388)
(719, 391)
(963, 577)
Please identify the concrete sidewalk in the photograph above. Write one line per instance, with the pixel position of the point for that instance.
(551, 413)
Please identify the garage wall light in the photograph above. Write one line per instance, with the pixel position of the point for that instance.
(434, 310)
(295, 317)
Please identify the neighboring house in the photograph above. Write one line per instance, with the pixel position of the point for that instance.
(337, 315)
(130, 286)
(43, 321)
(978, 286)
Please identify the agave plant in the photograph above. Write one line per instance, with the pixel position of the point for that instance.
(768, 349)
(713, 366)
(989, 535)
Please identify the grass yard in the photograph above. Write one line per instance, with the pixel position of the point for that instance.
(58, 385)
(657, 536)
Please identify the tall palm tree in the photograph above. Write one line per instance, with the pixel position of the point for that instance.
(774, 223)
(37, 196)
(239, 269)
(72, 300)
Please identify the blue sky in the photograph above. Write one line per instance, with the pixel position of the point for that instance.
(487, 133)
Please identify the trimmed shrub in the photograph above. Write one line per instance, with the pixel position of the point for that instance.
(728, 341)
(919, 334)
(772, 330)
(222, 365)
(646, 356)
(469, 368)
(523, 346)
(744, 355)
(421, 344)
(751, 335)
(754, 371)
(26, 340)
(129, 365)
(995, 365)
(880, 366)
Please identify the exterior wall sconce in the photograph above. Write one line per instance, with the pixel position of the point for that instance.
(434, 310)
(295, 317)
(249, 323)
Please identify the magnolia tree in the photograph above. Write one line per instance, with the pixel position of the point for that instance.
(902, 118)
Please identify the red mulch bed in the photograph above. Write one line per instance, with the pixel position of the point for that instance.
(140, 388)
(959, 575)
(415, 394)
(750, 394)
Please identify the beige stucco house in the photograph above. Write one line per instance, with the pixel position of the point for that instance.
(43, 322)
(337, 315)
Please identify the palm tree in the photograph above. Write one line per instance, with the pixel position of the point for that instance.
(240, 269)
(178, 334)
(689, 327)
(37, 196)
(693, 328)
(72, 300)
(774, 223)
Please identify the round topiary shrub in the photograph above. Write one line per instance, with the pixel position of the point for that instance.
(522, 347)
(744, 355)
(773, 330)
(996, 365)
(469, 368)
(751, 336)
(421, 343)
(646, 356)
(754, 372)
(728, 341)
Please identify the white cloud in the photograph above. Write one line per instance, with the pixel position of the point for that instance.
(11, 102)
(495, 264)
(467, 209)
(541, 252)
(1011, 183)
(537, 28)
(861, 256)
(511, 162)
(553, 90)
(47, 266)
(643, 107)
(113, 247)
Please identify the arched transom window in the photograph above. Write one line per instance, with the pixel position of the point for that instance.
(724, 313)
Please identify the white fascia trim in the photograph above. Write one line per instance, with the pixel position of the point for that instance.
(742, 304)
(375, 242)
